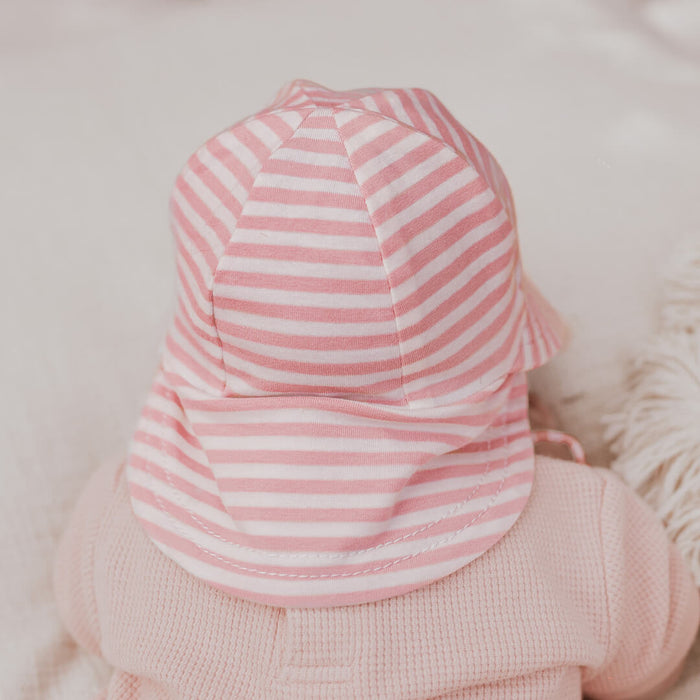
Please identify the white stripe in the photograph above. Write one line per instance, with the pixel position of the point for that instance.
(228, 180)
(448, 257)
(206, 353)
(387, 157)
(336, 444)
(307, 499)
(340, 356)
(295, 298)
(431, 199)
(305, 211)
(440, 112)
(202, 227)
(310, 241)
(335, 160)
(229, 140)
(413, 99)
(303, 269)
(305, 184)
(316, 134)
(213, 542)
(369, 133)
(420, 312)
(259, 128)
(307, 328)
(394, 189)
(397, 107)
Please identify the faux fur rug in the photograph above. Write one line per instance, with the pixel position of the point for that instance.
(655, 432)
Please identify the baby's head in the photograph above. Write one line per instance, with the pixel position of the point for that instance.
(357, 244)
(353, 327)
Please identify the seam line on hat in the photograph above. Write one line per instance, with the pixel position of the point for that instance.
(381, 254)
(221, 205)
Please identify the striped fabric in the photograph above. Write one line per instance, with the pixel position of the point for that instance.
(340, 414)
(560, 438)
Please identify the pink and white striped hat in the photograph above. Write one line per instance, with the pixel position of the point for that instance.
(341, 411)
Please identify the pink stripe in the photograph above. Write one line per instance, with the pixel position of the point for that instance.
(424, 187)
(316, 429)
(306, 313)
(342, 342)
(212, 182)
(329, 458)
(443, 131)
(329, 256)
(331, 173)
(490, 271)
(323, 544)
(356, 486)
(280, 127)
(306, 225)
(203, 246)
(243, 134)
(317, 198)
(410, 108)
(183, 256)
(173, 423)
(211, 221)
(393, 384)
(317, 369)
(231, 162)
(216, 383)
(182, 485)
(472, 347)
(168, 448)
(391, 172)
(307, 342)
(217, 361)
(380, 144)
(438, 212)
(459, 231)
(367, 514)
(453, 270)
(455, 471)
(476, 371)
(321, 285)
(307, 145)
(330, 404)
(359, 122)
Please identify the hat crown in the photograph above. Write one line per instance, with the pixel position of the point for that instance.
(356, 244)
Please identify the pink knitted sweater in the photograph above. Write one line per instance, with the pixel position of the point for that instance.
(585, 594)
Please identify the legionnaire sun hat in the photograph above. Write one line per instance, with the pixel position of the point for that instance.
(340, 414)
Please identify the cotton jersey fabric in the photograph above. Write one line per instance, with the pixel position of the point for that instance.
(340, 414)
(585, 593)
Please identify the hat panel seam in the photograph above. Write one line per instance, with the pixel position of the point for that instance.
(381, 254)
(221, 205)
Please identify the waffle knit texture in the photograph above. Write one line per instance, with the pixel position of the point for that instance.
(585, 593)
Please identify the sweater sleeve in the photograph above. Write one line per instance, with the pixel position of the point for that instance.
(653, 606)
(73, 567)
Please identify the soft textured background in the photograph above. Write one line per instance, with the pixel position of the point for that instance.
(592, 108)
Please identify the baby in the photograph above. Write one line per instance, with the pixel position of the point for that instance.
(332, 491)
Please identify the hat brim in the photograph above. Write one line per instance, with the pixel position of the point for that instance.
(404, 499)
(545, 333)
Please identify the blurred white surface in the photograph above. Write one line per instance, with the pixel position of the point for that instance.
(592, 108)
